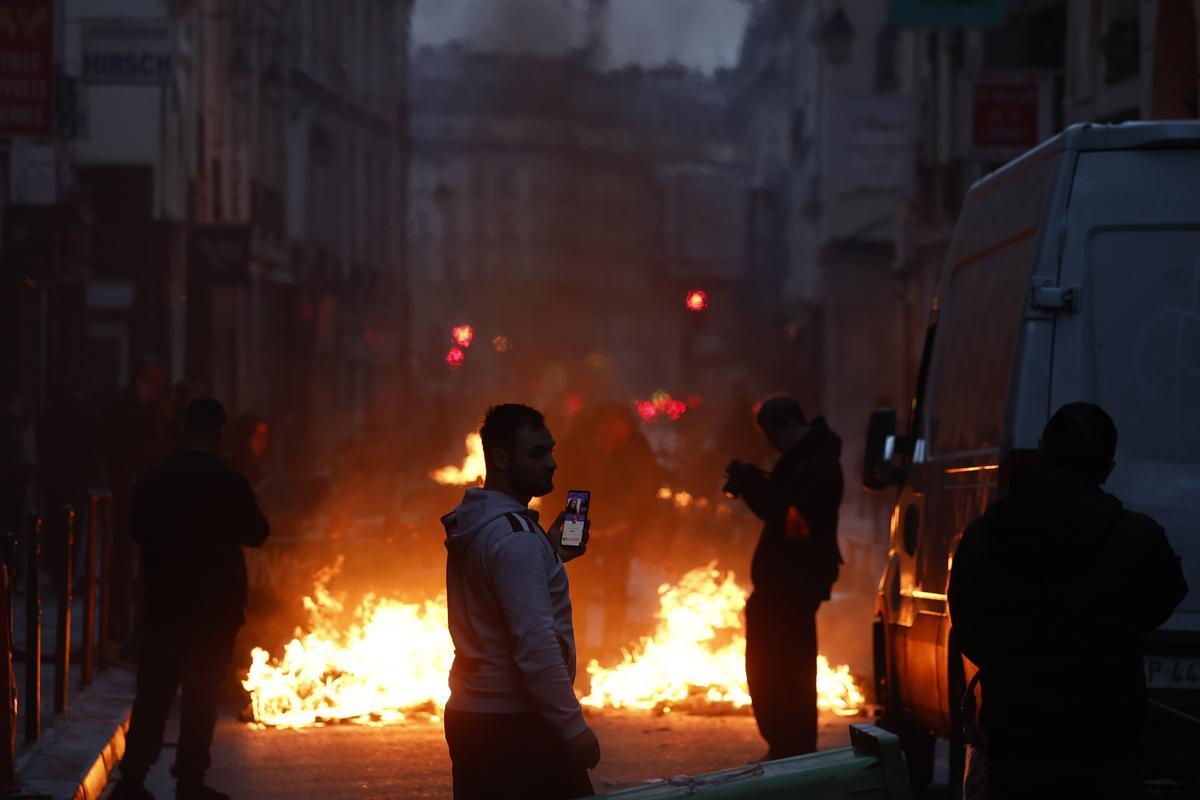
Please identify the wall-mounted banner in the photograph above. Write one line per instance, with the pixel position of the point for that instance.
(950, 13)
(27, 68)
(128, 51)
(874, 143)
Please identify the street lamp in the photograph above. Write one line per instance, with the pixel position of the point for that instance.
(837, 37)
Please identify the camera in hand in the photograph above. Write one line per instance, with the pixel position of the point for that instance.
(734, 478)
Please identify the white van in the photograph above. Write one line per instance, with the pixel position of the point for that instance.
(1073, 274)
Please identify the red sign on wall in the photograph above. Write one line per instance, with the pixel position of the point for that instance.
(1006, 115)
(27, 67)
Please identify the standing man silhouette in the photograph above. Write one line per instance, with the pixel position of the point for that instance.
(192, 515)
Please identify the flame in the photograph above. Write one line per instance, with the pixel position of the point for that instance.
(390, 659)
(696, 657)
(472, 470)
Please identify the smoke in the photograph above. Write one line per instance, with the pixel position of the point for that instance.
(535, 27)
(704, 35)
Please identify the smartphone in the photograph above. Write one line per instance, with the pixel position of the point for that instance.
(577, 511)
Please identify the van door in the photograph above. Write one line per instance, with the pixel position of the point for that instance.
(1133, 347)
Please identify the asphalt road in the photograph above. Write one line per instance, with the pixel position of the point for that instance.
(409, 760)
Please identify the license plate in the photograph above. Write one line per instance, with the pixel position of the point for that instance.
(1172, 673)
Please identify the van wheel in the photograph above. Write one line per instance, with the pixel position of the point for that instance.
(917, 743)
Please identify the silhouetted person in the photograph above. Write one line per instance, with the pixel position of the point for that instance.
(1050, 592)
(793, 570)
(137, 436)
(609, 455)
(513, 723)
(192, 516)
(250, 435)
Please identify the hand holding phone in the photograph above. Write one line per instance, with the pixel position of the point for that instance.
(575, 518)
(569, 533)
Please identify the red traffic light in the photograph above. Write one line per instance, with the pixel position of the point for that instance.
(462, 335)
(454, 358)
(697, 300)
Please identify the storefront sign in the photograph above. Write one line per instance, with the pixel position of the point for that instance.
(128, 51)
(27, 68)
(1010, 113)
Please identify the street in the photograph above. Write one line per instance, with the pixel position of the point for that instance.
(410, 760)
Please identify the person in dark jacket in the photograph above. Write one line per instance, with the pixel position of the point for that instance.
(192, 516)
(793, 570)
(1050, 592)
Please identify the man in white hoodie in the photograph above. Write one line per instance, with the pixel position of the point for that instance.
(513, 723)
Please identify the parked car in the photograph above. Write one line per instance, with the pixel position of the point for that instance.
(1073, 274)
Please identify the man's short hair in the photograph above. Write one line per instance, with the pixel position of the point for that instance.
(780, 411)
(501, 424)
(1081, 438)
(204, 416)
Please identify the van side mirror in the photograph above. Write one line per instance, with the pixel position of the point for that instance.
(879, 470)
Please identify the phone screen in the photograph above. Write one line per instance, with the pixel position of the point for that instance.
(577, 511)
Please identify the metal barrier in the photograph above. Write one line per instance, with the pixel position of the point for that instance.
(88, 655)
(33, 631)
(106, 546)
(27, 549)
(62, 638)
(8, 679)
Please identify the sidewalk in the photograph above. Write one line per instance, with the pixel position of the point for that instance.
(77, 749)
(73, 759)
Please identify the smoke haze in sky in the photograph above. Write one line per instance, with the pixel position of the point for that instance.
(701, 34)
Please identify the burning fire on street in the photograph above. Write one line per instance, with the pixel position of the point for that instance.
(696, 659)
(381, 663)
(387, 661)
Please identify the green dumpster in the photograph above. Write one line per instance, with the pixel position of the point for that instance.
(872, 767)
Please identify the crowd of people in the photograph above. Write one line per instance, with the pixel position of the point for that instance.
(1095, 577)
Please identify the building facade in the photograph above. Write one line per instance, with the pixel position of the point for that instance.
(232, 179)
(864, 125)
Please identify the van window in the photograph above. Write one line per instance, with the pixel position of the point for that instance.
(1145, 328)
(990, 264)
